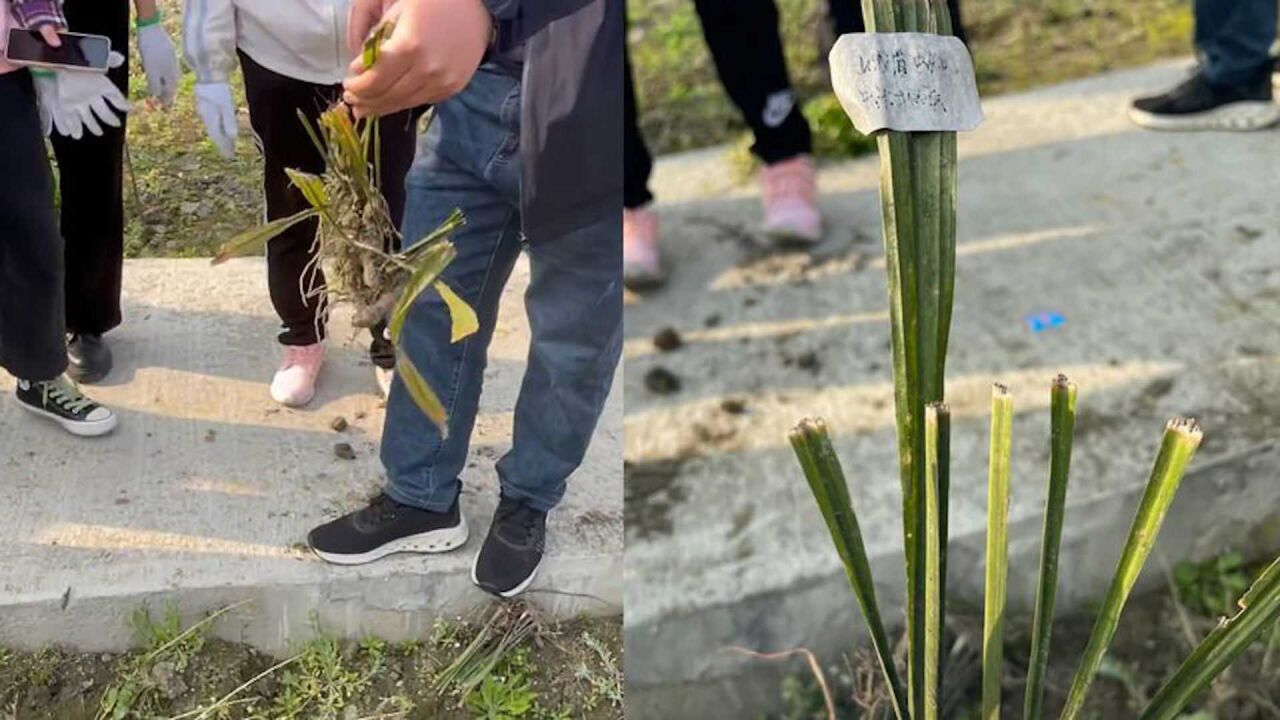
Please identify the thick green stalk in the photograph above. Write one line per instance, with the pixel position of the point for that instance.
(812, 444)
(1181, 438)
(937, 430)
(918, 207)
(997, 550)
(1260, 609)
(1062, 428)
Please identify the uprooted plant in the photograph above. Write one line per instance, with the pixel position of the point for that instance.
(356, 239)
(918, 180)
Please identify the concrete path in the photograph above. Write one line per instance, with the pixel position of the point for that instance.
(1162, 253)
(204, 495)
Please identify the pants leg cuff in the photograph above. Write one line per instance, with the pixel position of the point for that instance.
(439, 501)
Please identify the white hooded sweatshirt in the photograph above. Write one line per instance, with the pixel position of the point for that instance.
(301, 39)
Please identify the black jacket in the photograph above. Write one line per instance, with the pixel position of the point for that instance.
(571, 119)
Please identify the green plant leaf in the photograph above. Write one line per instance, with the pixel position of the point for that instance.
(994, 594)
(812, 444)
(423, 396)
(1062, 421)
(1260, 610)
(1181, 438)
(311, 187)
(428, 266)
(463, 316)
(259, 236)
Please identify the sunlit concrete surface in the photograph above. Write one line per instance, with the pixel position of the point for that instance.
(1162, 252)
(204, 495)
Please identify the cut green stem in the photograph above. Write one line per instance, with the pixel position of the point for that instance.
(812, 444)
(1181, 438)
(1062, 429)
(997, 550)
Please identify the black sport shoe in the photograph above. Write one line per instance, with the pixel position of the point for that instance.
(89, 358)
(61, 401)
(1197, 104)
(509, 560)
(386, 527)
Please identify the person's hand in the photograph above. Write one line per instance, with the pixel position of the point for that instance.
(431, 55)
(85, 99)
(362, 17)
(159, 61)
(49, 32)
(218, 111)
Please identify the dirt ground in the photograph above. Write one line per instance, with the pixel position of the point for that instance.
(542, 671)
(1156, 634)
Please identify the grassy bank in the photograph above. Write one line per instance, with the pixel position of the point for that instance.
(503, 663)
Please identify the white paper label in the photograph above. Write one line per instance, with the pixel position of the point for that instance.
(905, 81)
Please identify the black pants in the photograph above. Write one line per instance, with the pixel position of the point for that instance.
(743, 38)
(274, 103)
(32, 345)
(91, 183)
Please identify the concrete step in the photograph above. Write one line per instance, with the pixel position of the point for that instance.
(204, 495)
(1160, 250)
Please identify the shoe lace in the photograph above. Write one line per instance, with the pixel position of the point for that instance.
(520, 524)
(65, 394)
(380, 509)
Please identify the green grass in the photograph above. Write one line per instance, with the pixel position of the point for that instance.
(518, 665)
(1017, 44)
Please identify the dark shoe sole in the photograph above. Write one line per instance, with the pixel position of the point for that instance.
(429, 543)
(506, 594)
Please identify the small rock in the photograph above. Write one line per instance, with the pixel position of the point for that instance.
(711, 321)
(1249, 233)
(166, 677)
(344, 451)
(809, 361)
(210, 435)
(668, 339)
(733, 406)
(339, 424)
(661, 381)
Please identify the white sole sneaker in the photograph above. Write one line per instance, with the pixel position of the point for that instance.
(524, 584)
(1237, 116)
(97, 428)
(429, 543)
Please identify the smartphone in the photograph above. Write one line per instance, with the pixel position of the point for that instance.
(78, 51)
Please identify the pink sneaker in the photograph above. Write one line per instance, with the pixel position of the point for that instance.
(641, 260)
(295, 382)
(790, 201)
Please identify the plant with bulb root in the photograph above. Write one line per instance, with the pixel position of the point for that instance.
(918, 189)
(354, 233)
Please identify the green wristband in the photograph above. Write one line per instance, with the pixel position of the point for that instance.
(153, 20)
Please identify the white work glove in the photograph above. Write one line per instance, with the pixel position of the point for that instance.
(159, 62)
(83, 98)
(218, 111)
(46, 82)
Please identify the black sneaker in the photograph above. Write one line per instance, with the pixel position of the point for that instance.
(509, 560)
(1197, 104)
(386, 527)
(89, 358)
(61, 401)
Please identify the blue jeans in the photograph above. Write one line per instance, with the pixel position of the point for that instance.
(470, 159)
(1235, 37)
